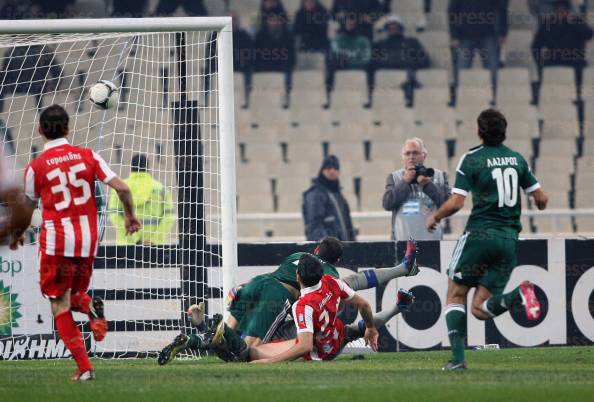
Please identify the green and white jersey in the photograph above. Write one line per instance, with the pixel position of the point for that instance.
(287, 270)
(494, 176)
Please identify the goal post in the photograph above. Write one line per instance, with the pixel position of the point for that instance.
(175, 107)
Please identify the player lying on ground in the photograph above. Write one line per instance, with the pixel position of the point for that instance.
(63, 177)
(321, 334)
(259, 309)
(486, 253)
(316, 310)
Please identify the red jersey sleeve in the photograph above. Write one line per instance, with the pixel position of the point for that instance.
(102, 170)
(31, 188)
(346, 293)
(303, 316)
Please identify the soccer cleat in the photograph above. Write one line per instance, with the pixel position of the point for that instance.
(218, 337)
(86, 376)
(170, 351)
(404, 299)
(451, 366)
(529, 300)
(410, 258)
(195, 314)
(97, 320)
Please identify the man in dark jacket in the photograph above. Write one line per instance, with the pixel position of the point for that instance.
(243, 49)
(311, 26)
(479, 26)
(274, 49)
(325, 211)
(561, 41)
(397, 52)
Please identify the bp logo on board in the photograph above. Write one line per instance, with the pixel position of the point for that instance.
(9, 310)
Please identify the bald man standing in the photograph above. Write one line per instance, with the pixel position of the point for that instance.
(413, 193)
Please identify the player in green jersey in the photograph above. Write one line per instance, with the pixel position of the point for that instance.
(485, 254)
(259, 308)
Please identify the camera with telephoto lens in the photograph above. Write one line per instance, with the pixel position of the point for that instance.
(421, 170)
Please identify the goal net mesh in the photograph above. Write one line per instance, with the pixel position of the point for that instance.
(163, 138)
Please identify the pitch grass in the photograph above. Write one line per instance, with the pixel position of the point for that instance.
(541, 374)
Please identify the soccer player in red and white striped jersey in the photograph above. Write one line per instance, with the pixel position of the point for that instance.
(63, 178)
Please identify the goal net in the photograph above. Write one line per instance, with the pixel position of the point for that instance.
(170, 136)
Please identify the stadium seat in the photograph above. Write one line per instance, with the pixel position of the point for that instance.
(376, 228)
(269, 153)
(427, 117)
(514, 94)
(514, 76)
(560, 129)
(433, 78)
(557, 147)
(255, 203)
(290, 202)
(394, 117)
(391, 79)
(388, 98)
(476, 77)
(430, 97)
(307, 61)
(288, 229)
(251, 169)
(518, 45)
(297, 169)
(253, 186)
(437, 45)
(254, 230)
(305, 152)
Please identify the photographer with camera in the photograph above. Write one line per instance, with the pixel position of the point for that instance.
(414, 193)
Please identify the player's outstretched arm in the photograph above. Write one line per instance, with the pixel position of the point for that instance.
(451, 206)
(304, 345)
(371, 333)
(132, 223)
(540, 199)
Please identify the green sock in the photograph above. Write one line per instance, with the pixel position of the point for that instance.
(455, 315)
(234, 341)
(195, 342)
(499, 304)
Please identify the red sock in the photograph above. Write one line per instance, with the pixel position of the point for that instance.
(72, 338)
(80, 302)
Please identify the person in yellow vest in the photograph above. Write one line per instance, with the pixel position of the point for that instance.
(153, 206)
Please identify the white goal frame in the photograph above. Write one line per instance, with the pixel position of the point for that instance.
(226, 122)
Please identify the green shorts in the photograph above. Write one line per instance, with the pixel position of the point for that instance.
(261, 306)
(486, 260)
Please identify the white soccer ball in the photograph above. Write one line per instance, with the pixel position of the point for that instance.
(104, 94)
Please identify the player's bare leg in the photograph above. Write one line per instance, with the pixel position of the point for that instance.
(269, 350)
(455, 315)
(375, 277)
(71, 336)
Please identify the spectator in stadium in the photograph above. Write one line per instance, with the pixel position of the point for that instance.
(153, 206)
(268, 7)
(364, 12)
(311, 26)
(479, 26)
(194, 8)
(400, 52)
(126, 8)
(243, 49)
(19, 9)
(413, 194)
(325, 211)
(54, 8)
(561, 41)
(350, 50)
(274, 50)
(33, 70)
